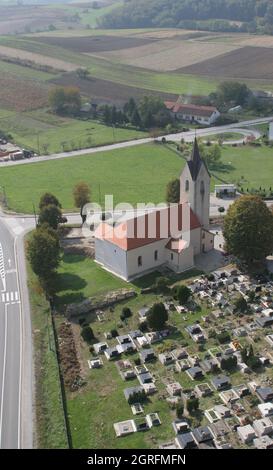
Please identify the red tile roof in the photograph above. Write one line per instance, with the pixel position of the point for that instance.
(149, 228)
(192, 109)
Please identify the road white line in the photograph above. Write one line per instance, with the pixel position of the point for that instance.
(21, 344)
(2, 268)
(4, 373)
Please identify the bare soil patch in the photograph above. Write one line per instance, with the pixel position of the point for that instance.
(18, 94)
(247, 62)
(70, 365)
(105, 91)
(91, 44)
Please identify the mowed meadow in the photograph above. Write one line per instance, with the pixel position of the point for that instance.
(133, 175)
(137, 174)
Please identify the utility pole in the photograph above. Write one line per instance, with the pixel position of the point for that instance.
(35, 215)
(38, 143)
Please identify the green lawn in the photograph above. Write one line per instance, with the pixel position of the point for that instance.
(137, 174)
(80, 278)
(254, 164)
(50, 432)
(44, 132)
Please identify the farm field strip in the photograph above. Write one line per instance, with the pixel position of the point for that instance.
(245, 63)
(38, 58)
(169, 55)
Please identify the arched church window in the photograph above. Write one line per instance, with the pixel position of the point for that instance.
(187, 185)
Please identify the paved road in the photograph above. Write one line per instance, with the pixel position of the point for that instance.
(187, 136)
(15, 344)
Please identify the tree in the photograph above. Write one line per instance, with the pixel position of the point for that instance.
(240, 304)
(126, 313)
(49, 199)
(223, 337)
(233, 92)
(43, 252)
(136, 119)
(173, 191)
(51, 215)
(157, 316)
(57, 99)
(87, 333)
(192, 405)
(229, 363)
(248, 230)
(182, 294)
(83, 73)
(81, 193)
(65, 100)
(179, 410)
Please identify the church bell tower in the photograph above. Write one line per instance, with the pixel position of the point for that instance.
(195, 186)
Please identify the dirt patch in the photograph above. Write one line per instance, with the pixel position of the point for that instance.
(105, 91)
(18, 94)
(70, 364)
(91, 44)
(247, 62)
(38, 58)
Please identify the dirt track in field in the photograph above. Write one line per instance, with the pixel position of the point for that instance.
(244, 63)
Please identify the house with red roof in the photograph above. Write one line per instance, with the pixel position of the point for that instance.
(169, 235)
(205, 115)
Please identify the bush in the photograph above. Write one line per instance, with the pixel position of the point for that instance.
(229, 363)
(182, 294)
(192, 405)
(114, 333)
(126, 312)
(87, 334)
(179, 410)
(223, 337)
(161, 285)
(143, 326)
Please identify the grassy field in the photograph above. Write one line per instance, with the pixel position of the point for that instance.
(129, 174)
(50, 427)
(137, 174)
(248, 167)
(44, 132)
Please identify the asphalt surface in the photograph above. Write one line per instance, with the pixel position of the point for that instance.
(15, 345)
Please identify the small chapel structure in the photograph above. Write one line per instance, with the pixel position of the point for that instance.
(170, 236)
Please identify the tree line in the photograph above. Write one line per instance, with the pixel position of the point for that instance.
(214, 15)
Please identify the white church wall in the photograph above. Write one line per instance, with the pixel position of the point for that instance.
(148, 261)
(180, 262)
(111, 257)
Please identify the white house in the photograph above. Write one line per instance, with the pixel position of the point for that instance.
(170, 236)
(206, 115)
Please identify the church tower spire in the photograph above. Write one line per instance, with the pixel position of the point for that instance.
(195, 185)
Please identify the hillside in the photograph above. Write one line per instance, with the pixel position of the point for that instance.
(213, 15)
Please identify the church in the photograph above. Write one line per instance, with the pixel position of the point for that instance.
(169, 236)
